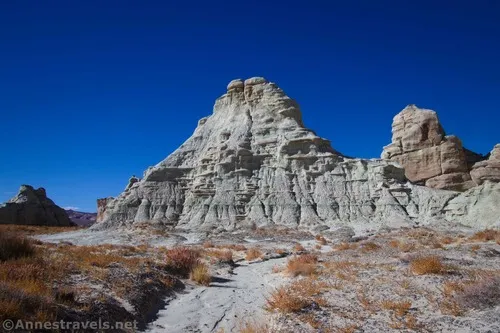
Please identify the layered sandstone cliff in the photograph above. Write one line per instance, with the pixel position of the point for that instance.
(253, 162)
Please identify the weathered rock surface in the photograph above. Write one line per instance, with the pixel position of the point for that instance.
(477, 207)
(488, 169)
(32, 207)
(428, 155)
(101, 207)
(252, 162)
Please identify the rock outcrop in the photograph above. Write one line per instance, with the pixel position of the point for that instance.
(488, 169)
(254, 163)
(428, 155)
(32, 207)
(101, 207)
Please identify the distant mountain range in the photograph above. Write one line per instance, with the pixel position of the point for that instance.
(81, 218)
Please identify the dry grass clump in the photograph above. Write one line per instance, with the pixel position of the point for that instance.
(182, 260)
(321, 240)
(370, 247)
(14, 247)
(346, 246)
(304, 265)
(402, 246)
(427, 265)
(201, 274)
(400, 308)
(253, 253)
(283, 300)
(225, 256)
(298, 248)
(296, 296)
(486, 236)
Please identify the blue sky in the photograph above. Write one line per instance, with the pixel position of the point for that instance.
(92, 92)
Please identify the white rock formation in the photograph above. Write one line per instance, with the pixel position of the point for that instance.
(252, 162)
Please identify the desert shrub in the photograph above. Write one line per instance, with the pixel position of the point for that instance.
(201, 274)
(253, 253)
(427, 265)
(481, 294)
(304, 264)
(14, 247)
(182, 260)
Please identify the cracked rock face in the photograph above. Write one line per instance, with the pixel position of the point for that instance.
(429, 156)
(253, 163)
(32, 207)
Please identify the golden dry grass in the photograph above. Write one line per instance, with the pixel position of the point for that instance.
(304, 265)
(282, 300)
(427, 265)
(28, 230)
(294, 297)
(13, 246)
(201, 274)
(369, 247)
(400, 308)
(253, 253)
(486, 235)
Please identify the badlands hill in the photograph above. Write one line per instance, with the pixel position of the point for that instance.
(253, 163)
(33, 207)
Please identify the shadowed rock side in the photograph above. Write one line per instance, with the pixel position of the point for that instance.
(252, 162)
(32, 207)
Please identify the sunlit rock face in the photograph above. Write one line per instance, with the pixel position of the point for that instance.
(252, 162)
(428, 155)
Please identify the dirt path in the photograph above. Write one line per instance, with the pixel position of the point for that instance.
(226, 304)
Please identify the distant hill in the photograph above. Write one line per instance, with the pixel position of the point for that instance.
(81, 218)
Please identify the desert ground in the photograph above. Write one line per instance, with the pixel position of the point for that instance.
(263, 280)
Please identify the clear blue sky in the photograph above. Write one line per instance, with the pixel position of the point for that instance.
(92, 92)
